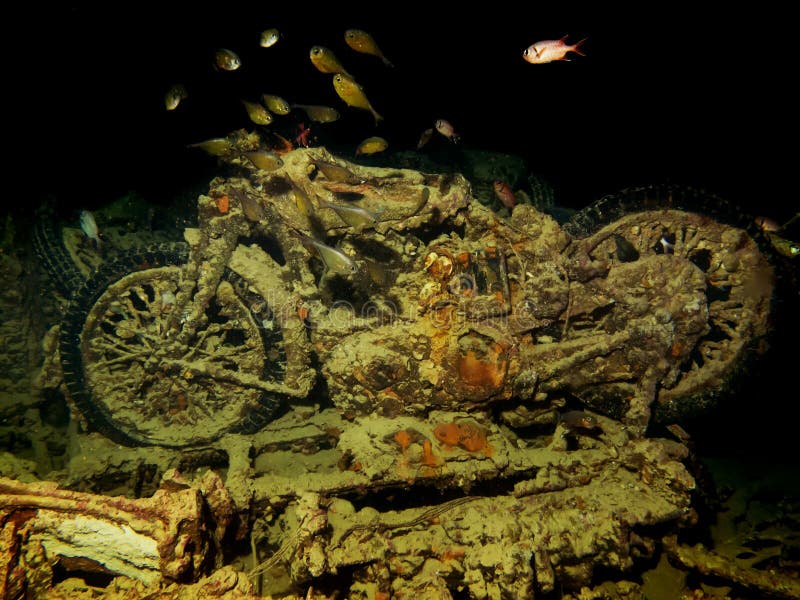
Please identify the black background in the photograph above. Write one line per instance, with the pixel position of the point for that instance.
(666, 92)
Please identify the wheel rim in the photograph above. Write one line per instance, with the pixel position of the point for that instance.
(135, 382)
(739, 290)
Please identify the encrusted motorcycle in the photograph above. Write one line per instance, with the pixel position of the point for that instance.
(406, 392)
(392, 292)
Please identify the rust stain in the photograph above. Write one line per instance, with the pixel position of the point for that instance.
(475, 372)
(223, 204)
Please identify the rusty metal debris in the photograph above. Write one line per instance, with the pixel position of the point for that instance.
(464, 412)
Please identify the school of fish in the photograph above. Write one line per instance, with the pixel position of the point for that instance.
(268, 107)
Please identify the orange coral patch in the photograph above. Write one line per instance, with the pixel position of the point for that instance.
(473, 438)
(223, 204)
(447, 433)
(403, 438)
(428, 457)
(476, 373)
(469, 436)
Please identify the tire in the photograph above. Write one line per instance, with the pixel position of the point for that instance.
(739, 286)
(135, 382)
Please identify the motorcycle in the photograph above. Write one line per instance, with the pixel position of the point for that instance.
(392, 292)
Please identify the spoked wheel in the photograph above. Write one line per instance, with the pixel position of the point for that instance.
(135, 379)
(739, 281)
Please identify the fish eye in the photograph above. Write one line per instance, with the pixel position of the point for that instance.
(525, 52)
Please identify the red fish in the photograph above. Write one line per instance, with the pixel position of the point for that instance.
(447, 130)
(303, 133)
(549, 50)
(504, 193)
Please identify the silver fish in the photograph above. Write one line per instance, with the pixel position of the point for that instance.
(355, 216)
(214, 146)
(89, 227)
(334, 259)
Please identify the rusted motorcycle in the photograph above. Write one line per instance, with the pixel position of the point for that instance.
(392, 292)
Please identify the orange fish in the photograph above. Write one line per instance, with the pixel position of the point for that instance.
(549, 50)
(504, 193)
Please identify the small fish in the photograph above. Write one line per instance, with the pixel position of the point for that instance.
(337, 173)
(577, 419)
(303, 203)
(358, 218)
(303, 137)
(767, 224)
(319, 114)
(378, 272)
(325, 60)
(89, 227)
(353, 94)
(278, 144)
(425, 138)
(361, 41)
(549, 50)
(334, 259)
(269, 37)
(257, 113)
(264, 160)
(174, 96)
(371, 145)
(227, 60)
(276, 104)
(446, 129)
(504, 193)
(214, 146)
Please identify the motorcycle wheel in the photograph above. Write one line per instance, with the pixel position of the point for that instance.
(739, 279)
(135, 382)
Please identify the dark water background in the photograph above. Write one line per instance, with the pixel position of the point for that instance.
(665, 93)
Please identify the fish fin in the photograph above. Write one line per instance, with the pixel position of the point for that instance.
(386, 61)
(378, 118)
(576, 48)
(564, 39)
